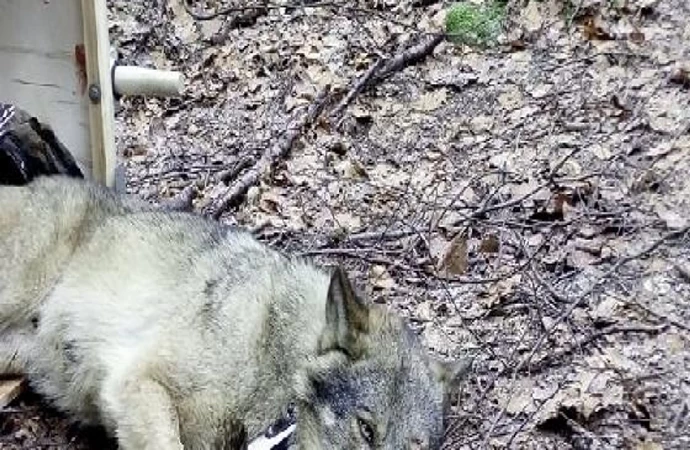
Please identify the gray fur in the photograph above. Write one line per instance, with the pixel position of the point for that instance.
(174, 332)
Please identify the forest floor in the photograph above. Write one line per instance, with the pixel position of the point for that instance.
(527, 203)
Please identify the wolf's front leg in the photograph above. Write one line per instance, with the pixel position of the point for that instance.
(143, 414)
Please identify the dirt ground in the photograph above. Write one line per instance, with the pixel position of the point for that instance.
(526, 203)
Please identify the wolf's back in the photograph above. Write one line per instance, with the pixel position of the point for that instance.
(30, 148)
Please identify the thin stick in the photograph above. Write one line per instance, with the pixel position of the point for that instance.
(270, 159)
(359, 86)
(573, 305)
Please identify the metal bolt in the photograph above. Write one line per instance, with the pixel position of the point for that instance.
(94, 93)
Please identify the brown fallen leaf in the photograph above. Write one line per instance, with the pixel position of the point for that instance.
(454, 260)
(490, 244)
(594, 31)
(380, 278)
(352, 169)
(270, 203)
(637, 37)
(517, 45)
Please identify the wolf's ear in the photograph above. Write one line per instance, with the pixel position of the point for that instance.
(347, 317)
(451, 374)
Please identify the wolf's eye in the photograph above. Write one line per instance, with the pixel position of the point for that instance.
(366, 430)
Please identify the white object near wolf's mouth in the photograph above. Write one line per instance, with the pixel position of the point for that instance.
(265, 443)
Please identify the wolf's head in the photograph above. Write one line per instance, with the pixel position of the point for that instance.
(373, 385)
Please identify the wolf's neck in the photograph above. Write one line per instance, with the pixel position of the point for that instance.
(294, 319)
(298, 313)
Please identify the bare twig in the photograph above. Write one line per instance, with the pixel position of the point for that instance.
(578, 300)
(247, 19)
(271, 157)
(363, 255)
(614, 329)
(683, 271)
(341, 251)
(234, 171)
(629, 300)
(359, 86)
(574, 304)
(380, 235)
(384, 68)
(409, 57)
(223, 12)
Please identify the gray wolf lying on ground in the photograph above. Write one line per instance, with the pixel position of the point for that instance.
(174, 332)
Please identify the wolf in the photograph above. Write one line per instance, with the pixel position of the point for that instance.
(173, 331)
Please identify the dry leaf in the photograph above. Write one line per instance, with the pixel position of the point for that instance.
(360, 113)
(593, 29)
(425, 312)
(502, 290)
(648, 445)
(430, 101)
(348, 221)
(252, 194)
(531, 17)
(521, 402)
(591, 392)
(637, 37)
(490, 244)
(270, 203)
(380, 278)
(606, 309)
(673, 218)
(352, 169)
(454, 261)
(482, 123)
(511, 99)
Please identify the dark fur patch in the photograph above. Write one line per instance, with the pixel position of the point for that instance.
(70, 352)
(34, 322)
(208, 313)
(340, 394)
(210, 287)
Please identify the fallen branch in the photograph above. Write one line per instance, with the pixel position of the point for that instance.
(233, 172)
(221, 12)
(409, 57)
(384, 68)
(244, 20)
(270, 159)
(359, 86)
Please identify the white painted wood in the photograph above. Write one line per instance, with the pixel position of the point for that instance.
(101, 112)
(129, 80)
(39, 71)
(51, 51)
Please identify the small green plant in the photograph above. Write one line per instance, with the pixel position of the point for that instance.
(472, 24)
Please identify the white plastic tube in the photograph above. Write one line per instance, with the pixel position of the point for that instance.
(131, 80)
